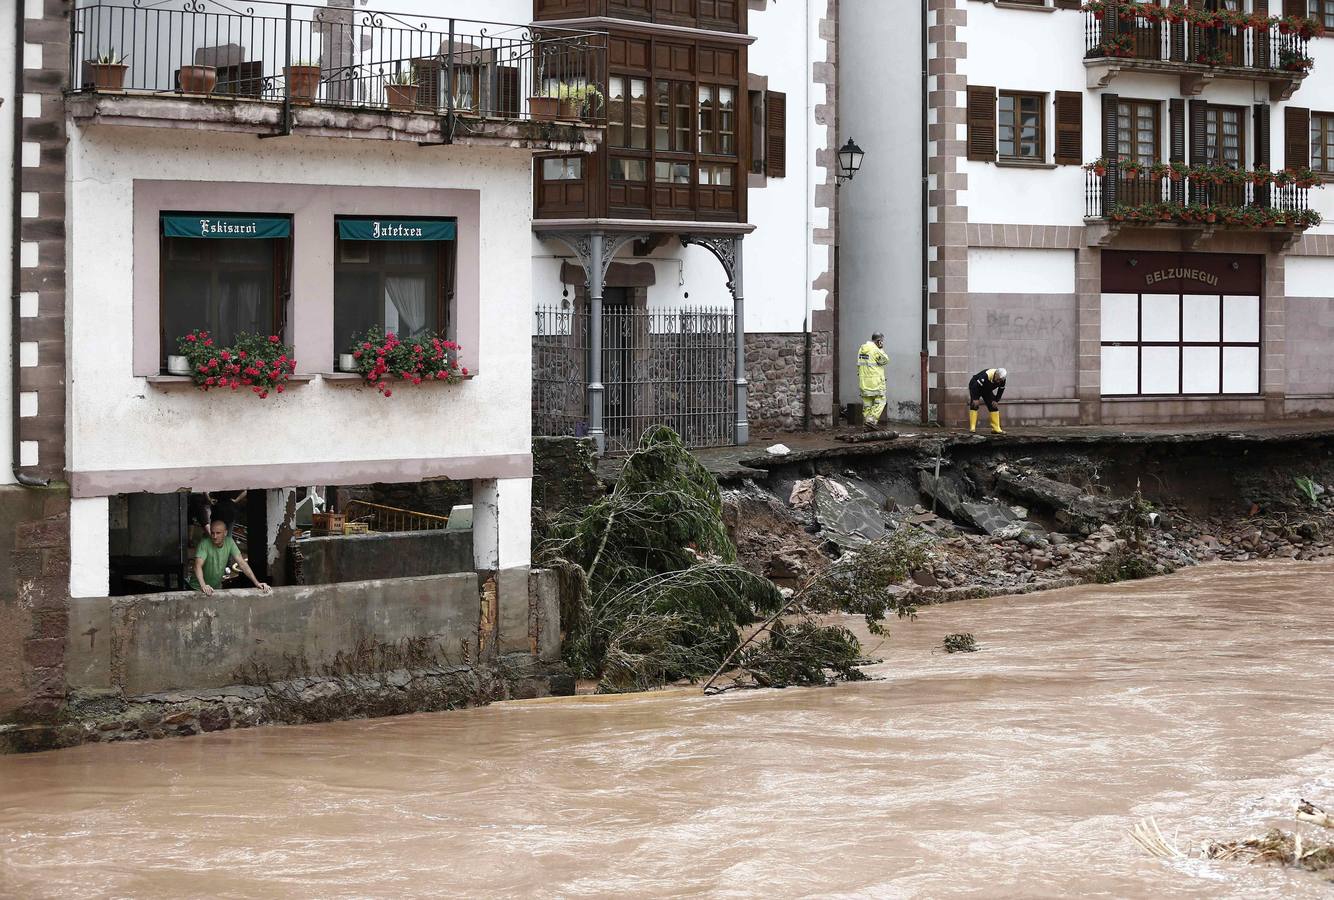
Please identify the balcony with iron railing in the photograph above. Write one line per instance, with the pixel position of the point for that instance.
(1199, 199)
(1197, 45)
(282, 68)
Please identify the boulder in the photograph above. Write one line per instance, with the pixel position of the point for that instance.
(1083, 512)
(847, 516)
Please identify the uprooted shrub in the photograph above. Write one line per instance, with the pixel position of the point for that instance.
(659, 596)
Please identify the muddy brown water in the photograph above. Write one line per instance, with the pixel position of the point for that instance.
(1202, 699)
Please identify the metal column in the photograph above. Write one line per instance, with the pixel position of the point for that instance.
(739, 305)
(595, 388)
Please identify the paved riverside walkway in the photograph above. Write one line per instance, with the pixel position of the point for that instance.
(752, 459)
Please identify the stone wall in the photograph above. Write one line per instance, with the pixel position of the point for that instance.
(775, 367)
(564, 473)
(1309, 331)
(394, 554)
(34, 591)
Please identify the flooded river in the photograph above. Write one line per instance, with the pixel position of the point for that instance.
(1202, 699)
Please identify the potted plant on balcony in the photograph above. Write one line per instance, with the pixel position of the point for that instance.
(1098, 167)
(198, 79)
(1294, 61)
(303, 80)
(425, 357)
(262, 363)
(400, 89)
(108, 71)
(544, 106)
(1130, 168)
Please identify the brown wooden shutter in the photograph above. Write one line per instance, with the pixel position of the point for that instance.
(1069, 108)
(1199, 149)
(1261, 150)
(1176, 142)
(1294, 7)
(1110, 105)
(1262, 38)
(507, 92)
(427, 72)
(1296, 137)
(981, 117)
(1069, 4)
(775, 134)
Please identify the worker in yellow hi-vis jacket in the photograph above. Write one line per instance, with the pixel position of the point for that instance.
(871, 362)
(986, 387)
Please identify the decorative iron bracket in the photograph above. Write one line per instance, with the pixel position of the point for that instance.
(721, 246)
(581, 244)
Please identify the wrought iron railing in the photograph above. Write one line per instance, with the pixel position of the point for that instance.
(1153, 38)
(1142, 195)
(321, 56)
(671, 367)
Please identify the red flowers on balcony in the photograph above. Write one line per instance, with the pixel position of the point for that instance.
(1179, 13)
(255, 362)
(425, 357)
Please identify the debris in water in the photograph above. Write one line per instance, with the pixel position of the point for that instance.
(960, 643)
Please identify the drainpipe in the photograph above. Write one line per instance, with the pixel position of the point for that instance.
(926, 216)
(16, 269)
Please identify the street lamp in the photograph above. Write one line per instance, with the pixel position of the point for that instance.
(849, 161)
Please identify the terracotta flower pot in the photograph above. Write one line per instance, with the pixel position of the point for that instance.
(303, 82)
(108, 76)
(401, 96)
(544, 109)
(198, 79)
(569, 108)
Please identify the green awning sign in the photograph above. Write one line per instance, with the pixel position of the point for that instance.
(226, 227)
(395, 230)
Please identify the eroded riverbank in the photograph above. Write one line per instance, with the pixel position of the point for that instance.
(1195, 698)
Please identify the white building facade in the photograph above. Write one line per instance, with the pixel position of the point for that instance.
(1122, 208)
(211, 186)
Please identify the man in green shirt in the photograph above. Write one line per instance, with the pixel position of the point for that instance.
(212, 556)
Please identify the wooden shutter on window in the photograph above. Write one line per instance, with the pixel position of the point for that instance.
(981, 118)
(1110, 104)
(1261, 150)
(1294, 7)
(507, 91)
(1069, 108)
(1069, 4)
(427, 72)
(1176, 146)
(1199, 149)
(1262, 38)
(1296, 137)
(775, 134)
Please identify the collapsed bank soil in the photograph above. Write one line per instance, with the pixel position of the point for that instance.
(1013, 515)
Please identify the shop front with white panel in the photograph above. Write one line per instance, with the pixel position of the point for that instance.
(1181, 324)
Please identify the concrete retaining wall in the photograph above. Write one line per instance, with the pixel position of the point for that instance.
(403, 554)
(178, 640)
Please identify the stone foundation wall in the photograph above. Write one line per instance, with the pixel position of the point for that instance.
(775, 366)
(34, 596)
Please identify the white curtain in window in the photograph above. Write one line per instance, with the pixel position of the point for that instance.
(238, 307)
(405, 303)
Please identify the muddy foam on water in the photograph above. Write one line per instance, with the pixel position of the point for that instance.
(1201, 699)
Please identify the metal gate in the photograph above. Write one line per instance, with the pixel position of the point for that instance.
(669, 367)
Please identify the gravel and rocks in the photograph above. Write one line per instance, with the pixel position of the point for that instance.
(991, 543)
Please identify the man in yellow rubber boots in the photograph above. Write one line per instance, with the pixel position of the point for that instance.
(986, 387)
(871, 362)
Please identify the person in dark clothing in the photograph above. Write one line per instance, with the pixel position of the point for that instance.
(986, 387)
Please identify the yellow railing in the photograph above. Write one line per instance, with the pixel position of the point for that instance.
(390, 518)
